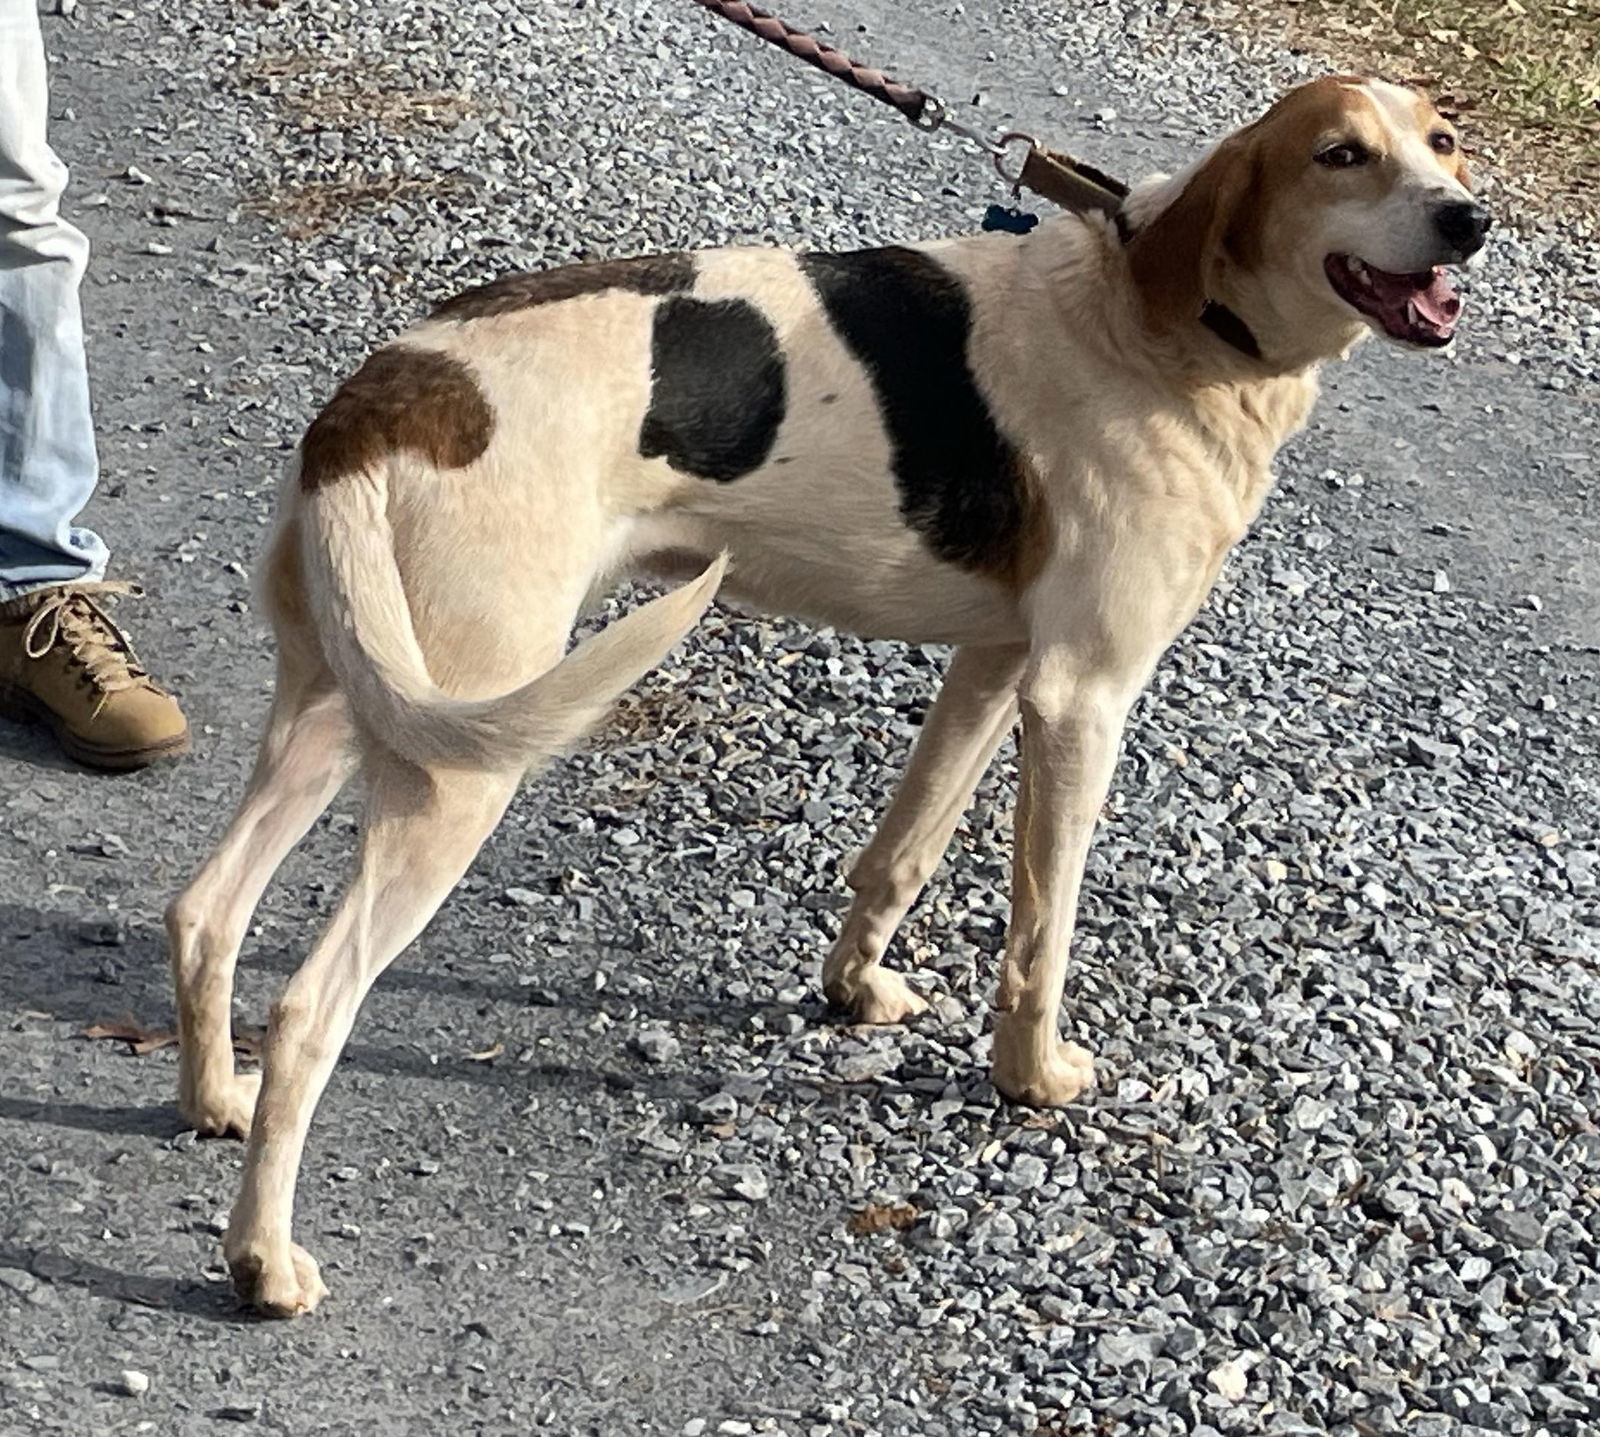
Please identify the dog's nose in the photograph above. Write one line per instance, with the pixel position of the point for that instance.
(1463, 224)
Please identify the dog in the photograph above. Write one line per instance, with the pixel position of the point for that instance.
(1037, 449)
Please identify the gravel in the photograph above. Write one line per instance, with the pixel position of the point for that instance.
(1340, 932)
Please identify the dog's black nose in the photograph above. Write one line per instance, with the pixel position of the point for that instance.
(1463, 224)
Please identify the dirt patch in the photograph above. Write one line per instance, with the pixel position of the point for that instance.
(308, 208)
(349, 96)
(1523, 76)
(322, 93)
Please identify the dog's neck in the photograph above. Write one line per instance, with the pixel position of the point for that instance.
(1232, 344)
(1231, 389)
(1241, 327)
(1247, 422)
(1234, 321)
(1232, 341)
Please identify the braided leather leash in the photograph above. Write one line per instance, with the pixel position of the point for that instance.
(910, 102)
(1058, 177)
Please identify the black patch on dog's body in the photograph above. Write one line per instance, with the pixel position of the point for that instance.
(907, 320)
(718, 389)
(656, 274)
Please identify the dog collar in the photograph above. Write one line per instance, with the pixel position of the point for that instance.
(1218, 318)
(1228, 327)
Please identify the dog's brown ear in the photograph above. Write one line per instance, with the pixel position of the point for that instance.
(1216, 219)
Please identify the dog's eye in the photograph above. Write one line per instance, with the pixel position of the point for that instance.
(1340, 157)
(1443, 142)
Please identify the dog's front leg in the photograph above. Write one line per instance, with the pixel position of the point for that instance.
(973, 713)
(1072, 721)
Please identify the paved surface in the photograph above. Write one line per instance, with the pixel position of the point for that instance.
(1341, 1175)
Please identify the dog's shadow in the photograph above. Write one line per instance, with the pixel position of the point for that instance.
(80, 968)
(82, 972)
(159, 1120)
(189, 1297)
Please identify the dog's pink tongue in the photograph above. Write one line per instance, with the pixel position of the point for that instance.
(1436, 299)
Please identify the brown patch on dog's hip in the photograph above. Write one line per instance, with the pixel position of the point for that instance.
(402, 398)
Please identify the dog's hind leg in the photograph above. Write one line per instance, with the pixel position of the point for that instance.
(968, 721)
(303, 761)
(421, 831)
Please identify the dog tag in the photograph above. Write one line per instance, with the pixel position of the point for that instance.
(1008, 219)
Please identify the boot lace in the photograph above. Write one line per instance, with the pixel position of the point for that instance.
(74, 617)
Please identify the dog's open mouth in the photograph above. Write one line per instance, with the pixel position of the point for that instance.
(1417, 308)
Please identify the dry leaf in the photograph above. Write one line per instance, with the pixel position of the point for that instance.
(487, 1055)
(880, 1217)
(141, 1040)
(128, 1029)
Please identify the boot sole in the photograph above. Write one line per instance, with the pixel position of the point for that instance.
(22, 707)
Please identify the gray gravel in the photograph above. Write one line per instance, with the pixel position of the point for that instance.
(1340, 933)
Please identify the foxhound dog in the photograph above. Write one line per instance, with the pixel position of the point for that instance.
(1037, 449)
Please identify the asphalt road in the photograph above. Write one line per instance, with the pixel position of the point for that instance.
(547, 1239)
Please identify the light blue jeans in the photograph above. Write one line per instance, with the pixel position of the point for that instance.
(47, 455)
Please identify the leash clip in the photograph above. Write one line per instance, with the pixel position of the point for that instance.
(932, 116)
(935, 115)
(1004, 151)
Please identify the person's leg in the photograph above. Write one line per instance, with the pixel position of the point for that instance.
(63, 660)
(47, 454)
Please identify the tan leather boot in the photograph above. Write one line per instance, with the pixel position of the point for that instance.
(65, 663)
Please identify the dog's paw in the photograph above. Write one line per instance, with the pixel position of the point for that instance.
(277, 1282)
(877, 995)
(223, 1112)
(1066, 1070)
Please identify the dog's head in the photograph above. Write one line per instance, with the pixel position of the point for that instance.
(1333, 213)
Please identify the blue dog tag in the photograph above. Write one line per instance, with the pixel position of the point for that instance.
(1008, 219)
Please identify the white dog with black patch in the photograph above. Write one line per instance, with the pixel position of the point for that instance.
(1037, 449)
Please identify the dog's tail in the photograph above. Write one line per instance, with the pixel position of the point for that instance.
(364, 621)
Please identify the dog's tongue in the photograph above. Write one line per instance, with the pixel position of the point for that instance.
(1420, 308)
(1435, 298)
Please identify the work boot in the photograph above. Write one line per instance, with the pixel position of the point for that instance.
(65, 663)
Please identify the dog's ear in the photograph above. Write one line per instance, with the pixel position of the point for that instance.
(1216, 220)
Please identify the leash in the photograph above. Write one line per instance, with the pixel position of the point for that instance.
(1071, 183)
(1019, 159)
